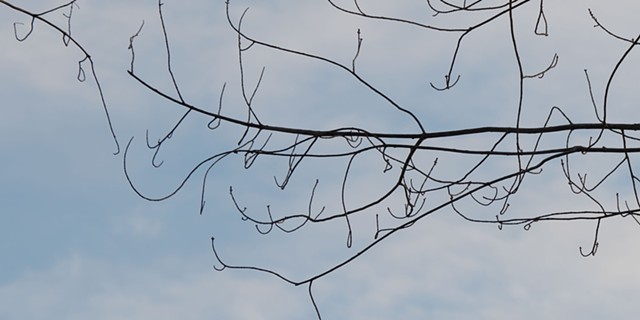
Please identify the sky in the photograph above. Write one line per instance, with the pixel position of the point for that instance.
(77, 242)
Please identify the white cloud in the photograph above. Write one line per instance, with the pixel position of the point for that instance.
(79, 287)
(141, 224)
(446, 269)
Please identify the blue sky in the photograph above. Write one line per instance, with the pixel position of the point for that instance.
(78, 243)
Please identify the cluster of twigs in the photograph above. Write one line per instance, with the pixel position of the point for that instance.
(413, 180)
(67, 39)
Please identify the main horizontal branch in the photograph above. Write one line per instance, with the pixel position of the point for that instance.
(357, 132)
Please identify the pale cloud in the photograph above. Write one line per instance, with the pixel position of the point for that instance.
(141, 224)
(446, 269)
(79, 287)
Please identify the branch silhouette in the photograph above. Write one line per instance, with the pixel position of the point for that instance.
(409, 160)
